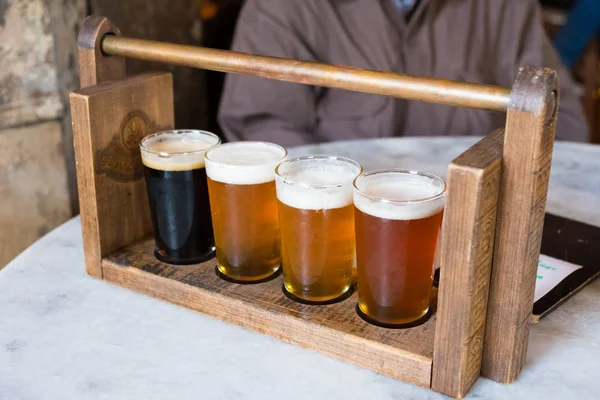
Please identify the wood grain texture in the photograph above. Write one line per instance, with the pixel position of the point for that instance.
(528, 145)
(95, 67)
(466, 260)
(109, 120)
(334, 330)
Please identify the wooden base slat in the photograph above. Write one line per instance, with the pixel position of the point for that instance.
(334, 330)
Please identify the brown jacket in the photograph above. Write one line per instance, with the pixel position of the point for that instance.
(482, 41)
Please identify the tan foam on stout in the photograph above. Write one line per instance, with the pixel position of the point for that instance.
(176, 151)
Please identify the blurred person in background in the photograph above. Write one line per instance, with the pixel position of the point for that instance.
(583, 23)
(218, 24)
(482, 41)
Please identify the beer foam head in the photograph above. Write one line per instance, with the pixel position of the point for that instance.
(399, 195)
(316, 182)
(244, 163)
(177, 150)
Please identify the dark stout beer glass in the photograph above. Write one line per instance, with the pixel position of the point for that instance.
(178, 194)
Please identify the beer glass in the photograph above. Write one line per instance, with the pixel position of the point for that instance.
(178, 194)
(316, 217)
(241, 185)
(398, 216)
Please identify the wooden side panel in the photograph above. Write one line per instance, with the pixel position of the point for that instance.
(528, 145)
(94, 67)
(109, 120)
(466, 261)
(334, 330)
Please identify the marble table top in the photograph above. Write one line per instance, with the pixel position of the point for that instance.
(64, 335)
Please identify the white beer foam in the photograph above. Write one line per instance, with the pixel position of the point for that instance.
(244, 163)
(399, 189)
(309, 178)
(170, 151)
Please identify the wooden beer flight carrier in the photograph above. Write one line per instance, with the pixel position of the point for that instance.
(491, 232)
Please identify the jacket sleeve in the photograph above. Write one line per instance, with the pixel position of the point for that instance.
(534, 48)
(261, 109)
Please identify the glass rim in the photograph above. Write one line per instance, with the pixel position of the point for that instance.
(381, 199)
(179, 131)
(318, 157)
(221, 145)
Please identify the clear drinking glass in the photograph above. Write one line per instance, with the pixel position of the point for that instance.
(398, 216)
(316, 217)
(178, 194)
(241, 184)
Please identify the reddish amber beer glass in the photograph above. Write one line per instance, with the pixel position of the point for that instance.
(243, 201)
(398, 216)
(316, 217)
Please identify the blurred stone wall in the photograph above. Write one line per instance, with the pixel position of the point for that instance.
(37, 70)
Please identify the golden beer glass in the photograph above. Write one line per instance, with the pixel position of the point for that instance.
(316, 217)
(243, 201)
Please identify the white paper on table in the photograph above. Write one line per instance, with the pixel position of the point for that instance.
(551, 271)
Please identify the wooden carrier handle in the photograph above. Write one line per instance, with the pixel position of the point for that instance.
(103, 39)
(409, 87)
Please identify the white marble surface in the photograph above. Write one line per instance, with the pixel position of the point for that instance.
(64, 335)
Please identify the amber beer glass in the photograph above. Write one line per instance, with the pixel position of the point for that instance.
(316, 216)
(178, 194)
(398, 216)
(241, 183)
